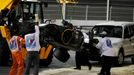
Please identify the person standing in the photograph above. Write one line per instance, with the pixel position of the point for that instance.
(82, 57)
(107, 55)
(33, 47)
(15, 45)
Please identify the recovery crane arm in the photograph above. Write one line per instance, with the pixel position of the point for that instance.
(8, 4)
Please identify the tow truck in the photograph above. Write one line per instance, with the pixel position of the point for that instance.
(17, 15)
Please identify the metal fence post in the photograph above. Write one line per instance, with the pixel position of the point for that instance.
(133, 14)
(110, 13)
(86, 15)
(107, 12)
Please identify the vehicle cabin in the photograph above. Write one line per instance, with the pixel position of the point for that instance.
(121, 35)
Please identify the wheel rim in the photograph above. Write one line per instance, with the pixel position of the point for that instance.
(120, 58)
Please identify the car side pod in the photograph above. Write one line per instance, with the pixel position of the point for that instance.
(61, 54)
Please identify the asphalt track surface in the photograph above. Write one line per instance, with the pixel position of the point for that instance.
(59, 68)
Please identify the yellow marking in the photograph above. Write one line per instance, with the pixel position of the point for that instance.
(44, 52)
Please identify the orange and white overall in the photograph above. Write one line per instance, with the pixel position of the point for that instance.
(15, 47)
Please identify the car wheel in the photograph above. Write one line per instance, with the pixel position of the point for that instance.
(120, 59)
(132, 59)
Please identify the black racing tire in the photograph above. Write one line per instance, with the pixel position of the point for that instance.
(46, 62)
